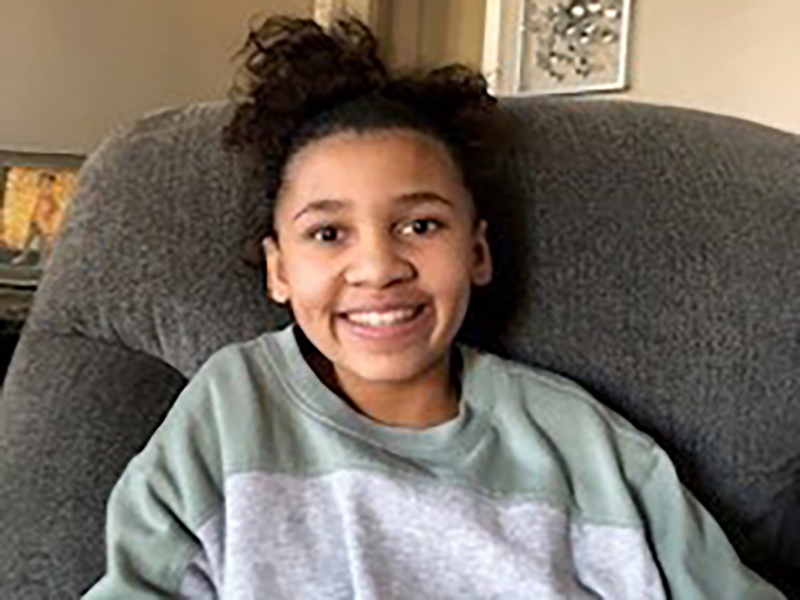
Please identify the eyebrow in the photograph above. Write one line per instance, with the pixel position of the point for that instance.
(413, 198)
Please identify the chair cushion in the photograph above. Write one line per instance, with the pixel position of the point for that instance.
(72, 415)
(151, 255)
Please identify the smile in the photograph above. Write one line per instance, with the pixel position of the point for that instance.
(383, 318)
(392, 325)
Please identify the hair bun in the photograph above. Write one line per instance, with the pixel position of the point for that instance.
(300, 82)
(293, 69)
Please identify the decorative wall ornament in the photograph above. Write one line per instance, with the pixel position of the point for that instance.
(539, 47)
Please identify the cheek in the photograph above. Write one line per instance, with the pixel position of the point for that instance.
(448, 273)
(313, 282)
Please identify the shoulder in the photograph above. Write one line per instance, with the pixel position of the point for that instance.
(231, 379)
(240, 365)
(576, 422)
(235, 356)
(222, 407)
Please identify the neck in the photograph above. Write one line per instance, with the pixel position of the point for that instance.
(429, 399)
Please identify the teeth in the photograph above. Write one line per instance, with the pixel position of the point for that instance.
(381, 319)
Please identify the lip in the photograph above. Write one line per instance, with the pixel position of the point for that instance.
(381, 307)
(393, 334)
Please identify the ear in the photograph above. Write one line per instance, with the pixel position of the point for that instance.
(277, 286)
(482, 256)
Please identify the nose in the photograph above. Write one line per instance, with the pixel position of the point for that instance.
(377, 261)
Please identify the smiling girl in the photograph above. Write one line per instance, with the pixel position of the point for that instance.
(376, 247)
(361, 452)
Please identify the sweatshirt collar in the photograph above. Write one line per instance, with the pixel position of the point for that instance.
(443, 441)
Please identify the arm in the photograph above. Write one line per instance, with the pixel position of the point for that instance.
(695, 557)
(165, 496)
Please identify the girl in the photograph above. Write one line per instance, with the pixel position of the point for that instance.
(362, 451)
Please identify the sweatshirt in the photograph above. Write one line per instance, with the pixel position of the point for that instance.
(263, 483)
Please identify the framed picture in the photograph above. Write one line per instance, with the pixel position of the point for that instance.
(544, 47)
(35, 190)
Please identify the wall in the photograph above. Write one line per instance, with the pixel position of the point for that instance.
(738, 57)
(432, 32)
(72, 70)
(452, 28)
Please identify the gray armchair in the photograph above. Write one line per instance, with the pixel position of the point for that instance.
(652, 254)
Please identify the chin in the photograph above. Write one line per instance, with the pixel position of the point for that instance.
(389, 368)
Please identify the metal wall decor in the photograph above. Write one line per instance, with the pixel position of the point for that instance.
(556, 46)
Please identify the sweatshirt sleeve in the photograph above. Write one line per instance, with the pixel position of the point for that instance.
(164, 496)
(694, 555)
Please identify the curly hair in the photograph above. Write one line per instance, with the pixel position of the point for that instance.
(300, 83)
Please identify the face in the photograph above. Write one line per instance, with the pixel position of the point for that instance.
(376, 249)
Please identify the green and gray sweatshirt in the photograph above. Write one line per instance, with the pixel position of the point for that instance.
(261, 483)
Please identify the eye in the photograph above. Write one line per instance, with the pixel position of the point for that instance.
(325, 234)
(420, 227)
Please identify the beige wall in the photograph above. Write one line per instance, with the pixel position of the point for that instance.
(432, 32)
(738, 57)
(452, 30)
(70, 70)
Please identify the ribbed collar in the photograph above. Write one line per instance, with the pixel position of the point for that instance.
(443, 442)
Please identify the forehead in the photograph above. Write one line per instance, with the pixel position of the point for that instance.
(353, 165)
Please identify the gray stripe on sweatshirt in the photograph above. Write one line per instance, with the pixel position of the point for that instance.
(360, 534)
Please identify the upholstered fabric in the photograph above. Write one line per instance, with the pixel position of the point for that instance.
(73, 413)
(651, 254)
(662, 271)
